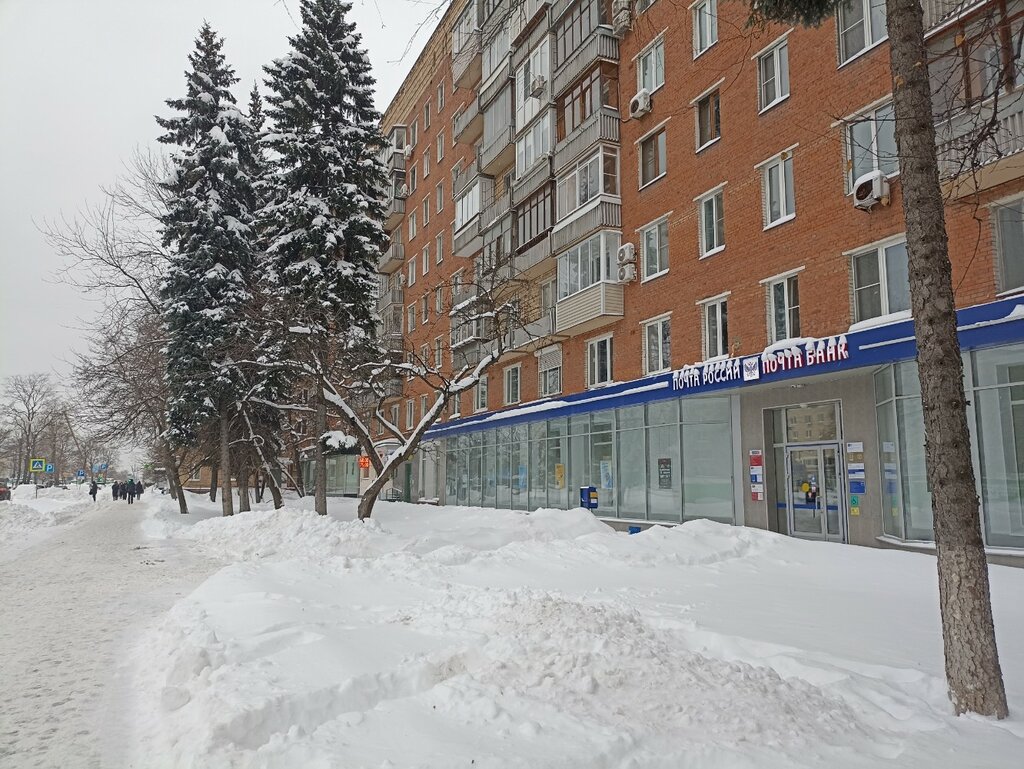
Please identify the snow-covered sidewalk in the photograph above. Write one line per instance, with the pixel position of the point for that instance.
(445, 637)
(76, 588)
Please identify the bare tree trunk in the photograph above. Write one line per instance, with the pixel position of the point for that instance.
(244, 505)
(320, 502)
(275, 493)
(226, 503)
(172, 478)
(260, 484)
(300, 483)
(367, 501)
(214, 480)
(972, 661)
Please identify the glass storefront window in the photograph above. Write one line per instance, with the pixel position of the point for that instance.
(917, 499)
(664, 475)
(602, 459)
(632, 480)
(888, 439)
(520, 468)
(557, 458)
(813, 423)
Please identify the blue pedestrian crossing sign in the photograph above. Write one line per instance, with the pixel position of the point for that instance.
(36, 465)
(80, 473)
(49, 468)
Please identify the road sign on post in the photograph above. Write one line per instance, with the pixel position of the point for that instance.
(49, 468)
(37, 465)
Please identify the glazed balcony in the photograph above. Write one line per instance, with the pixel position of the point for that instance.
(601, 45)
(971, 163)
(394, 212)
(494, 212)
(525, 15)
(597, 305)
(393, 259)
(534, 334)
(469, 123)
(389, 297)
(606, 214)
(498, 153)
(467, 62)
(534, 260)
(602, 126)
(535, 177)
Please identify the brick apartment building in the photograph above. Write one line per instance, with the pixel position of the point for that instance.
(708, 223)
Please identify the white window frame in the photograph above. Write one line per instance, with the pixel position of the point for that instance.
(773, 51)
(410, 414)
(710, 92)
(414, 133)
(608, 244)
(440, 146)
(396, 412)
(438, 350)
(704, 9)
(412, 225)
(872, 37)
(426, 210)
(770, 284)
(645, 327)
(1000, 249)
(592, 361)
(869, 116)
(410, 276)
(439, 245)
(480, 394)
(439, 197)
(424, 309)
(426, 162)
(543, 379)
(878, 250)
(579, 170)
(467, 206)
(537, 62)
(426, 259)
(507, 377)
(720, 347)
(661, 153)
(783, 160)
(456, 402)
(534, 144)
(440, 98)
(662, 248)
(410, 318)
(439, 300)
(716, 197)
(649, 58)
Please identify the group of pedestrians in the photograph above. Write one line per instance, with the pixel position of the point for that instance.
(120, 490)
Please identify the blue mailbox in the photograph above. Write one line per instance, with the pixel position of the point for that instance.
(588, 497)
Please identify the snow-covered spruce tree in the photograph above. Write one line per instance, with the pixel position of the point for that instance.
(209, 227)
(322, 221)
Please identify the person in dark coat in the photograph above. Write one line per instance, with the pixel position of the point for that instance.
(138, 489)
(93, 488)
(130, 491)
(115, 490)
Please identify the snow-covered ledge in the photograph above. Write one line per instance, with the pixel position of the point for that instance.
(929, 547)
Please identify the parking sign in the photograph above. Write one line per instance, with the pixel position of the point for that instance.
(49, 468)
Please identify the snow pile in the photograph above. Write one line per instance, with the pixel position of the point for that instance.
(27, 518)
(445, 637)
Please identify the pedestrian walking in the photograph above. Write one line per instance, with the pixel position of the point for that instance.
(130, 491)
(115, 490)
(138, 489)
(92, 491)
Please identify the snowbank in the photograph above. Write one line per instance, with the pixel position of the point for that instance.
(27, 518)
(446, 637)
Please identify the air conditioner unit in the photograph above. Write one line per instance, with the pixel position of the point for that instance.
(640, 104)
(537, 86)
(401, 279)
(407, 151)
(626, 254)
(627, 273)
(869, 189)
(620, 17)
(403, 191)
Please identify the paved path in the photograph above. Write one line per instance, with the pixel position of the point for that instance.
(69, 606)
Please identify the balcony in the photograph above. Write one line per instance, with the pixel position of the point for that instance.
(394, 160)
(469, 123)
(393, 387)
(535, 334)
(606, 214)
(468, 240)
(394, 212)
(495, 211)
(969, 163)
(528, 260)
(466, 63)
(461, 297)
(463, 176)
(534, 178)
(498, 153)
(393, 259)
(524, 17)
(600, 46)
(389, 297)
(603, 125)
(938, 11)
(497, 80)
(593, 307)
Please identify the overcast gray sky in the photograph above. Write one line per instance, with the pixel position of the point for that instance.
(80, 82)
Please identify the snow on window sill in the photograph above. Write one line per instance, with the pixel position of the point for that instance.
(881, 320)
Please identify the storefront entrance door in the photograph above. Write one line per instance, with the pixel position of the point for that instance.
(815, 499)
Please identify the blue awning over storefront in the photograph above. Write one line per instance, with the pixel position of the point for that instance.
(985, 325)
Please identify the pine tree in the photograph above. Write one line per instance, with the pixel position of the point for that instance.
(322, 222)
(209, 228)
(973, 672)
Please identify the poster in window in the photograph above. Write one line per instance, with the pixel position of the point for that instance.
(607, 477)
(559, 476)
(664, 472)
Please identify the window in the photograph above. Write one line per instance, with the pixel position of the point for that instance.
(440, 146)
(585, 264)
(599, 361)
(712, 224)
(548, 295)
(410, 414)
(440, 98)
(709, 119)
(426, 211)
(495, 51)
(426, 163)
(412, 225)
(773, 75)
(657, 346)
(198, 471)
(577, 24)
(598, 89)
(411, 274)
(861, 24)
(426, 115)
(550, 378)
(643, 5)
(778, 190)
(512, 374)
(480, 394)
(650, 68)
(423, 406)
(705, 26)
(881, 282)
(467, 207)
(587, 179)
(439, 197)
(654, 241)
(426, 259)
(439, 248)
(536, 65)
(716, 328)
(533, 144)
(871, 144)
(784, 308)
(414, 133)
(395, 410)
(425, 311)
(412, 179)
(534, 216)
(410, 324)
(456, 405)
(438, 351)
(653, 157)
(1010, 245)
(380, 426)
(439, 300)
